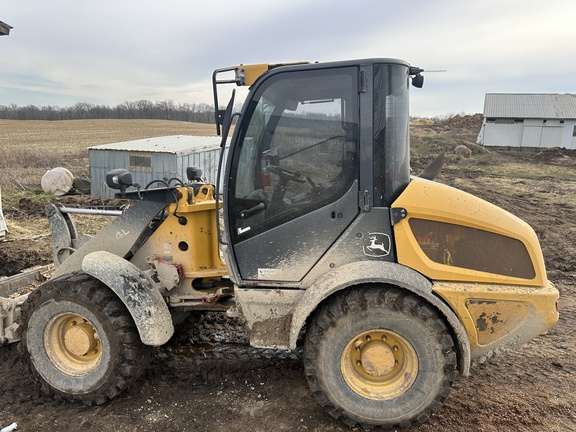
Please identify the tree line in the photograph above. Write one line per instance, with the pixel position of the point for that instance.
(142, 109)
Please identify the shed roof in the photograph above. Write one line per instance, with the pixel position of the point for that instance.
(530, 105)
(174, 144)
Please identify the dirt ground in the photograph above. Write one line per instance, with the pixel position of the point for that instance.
(208, 378)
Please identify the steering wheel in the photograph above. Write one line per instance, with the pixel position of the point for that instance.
(286, 175)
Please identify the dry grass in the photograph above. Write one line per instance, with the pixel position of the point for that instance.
(428, 142)
(29, 148)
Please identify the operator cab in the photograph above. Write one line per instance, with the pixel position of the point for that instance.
(316, 145)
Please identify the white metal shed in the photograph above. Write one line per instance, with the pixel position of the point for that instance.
(529, 120)
(160, 158)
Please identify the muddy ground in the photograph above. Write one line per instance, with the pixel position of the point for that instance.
(209, 379)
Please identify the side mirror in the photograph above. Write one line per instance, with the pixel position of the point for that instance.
(418, 81)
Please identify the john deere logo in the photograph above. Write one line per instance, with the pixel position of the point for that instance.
(379, 245)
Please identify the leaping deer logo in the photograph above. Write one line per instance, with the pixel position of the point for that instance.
(379, 245)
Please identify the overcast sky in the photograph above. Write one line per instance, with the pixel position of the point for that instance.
(61, 52)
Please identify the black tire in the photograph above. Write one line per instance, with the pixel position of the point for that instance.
(379, 356)
(80, 341)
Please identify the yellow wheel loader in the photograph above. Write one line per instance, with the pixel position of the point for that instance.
(391, 284)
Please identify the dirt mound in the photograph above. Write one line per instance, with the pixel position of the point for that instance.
(28, 241)
(14, 258)
(555, 153)
(471, 121)
(421, 121)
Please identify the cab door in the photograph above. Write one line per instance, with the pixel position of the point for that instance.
(292, 184)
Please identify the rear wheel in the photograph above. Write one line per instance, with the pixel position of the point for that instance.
(80, 340)
(379, 357)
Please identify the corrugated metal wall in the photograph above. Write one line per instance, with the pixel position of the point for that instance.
(530, 133)
(503, 134)
(569, 135)
(207, 160)
(147, 165)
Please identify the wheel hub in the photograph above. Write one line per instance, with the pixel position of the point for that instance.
(377, 358)
(79, 339)
(72, 343)
(379, 364)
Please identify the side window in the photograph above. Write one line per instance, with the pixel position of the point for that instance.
(391, 133)
(298, 149)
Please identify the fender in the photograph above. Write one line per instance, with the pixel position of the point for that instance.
(368, 272)
(136, 291)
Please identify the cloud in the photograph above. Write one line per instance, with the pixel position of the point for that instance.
(63, 51)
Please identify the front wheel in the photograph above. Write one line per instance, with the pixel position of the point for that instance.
(379, 357)
(80, 340)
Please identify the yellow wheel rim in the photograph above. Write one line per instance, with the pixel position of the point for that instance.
(72, 344)
(379, 364)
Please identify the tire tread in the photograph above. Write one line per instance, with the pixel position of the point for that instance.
(131, 359)
(365, 298)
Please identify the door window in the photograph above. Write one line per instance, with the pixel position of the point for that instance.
(298, 149)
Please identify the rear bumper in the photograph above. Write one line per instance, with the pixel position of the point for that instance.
(500, 317)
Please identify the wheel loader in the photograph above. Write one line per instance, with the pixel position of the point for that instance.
(317, 235)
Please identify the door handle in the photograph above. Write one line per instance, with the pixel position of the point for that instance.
(245, 213)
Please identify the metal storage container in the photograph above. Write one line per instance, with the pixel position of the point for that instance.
(150, 159)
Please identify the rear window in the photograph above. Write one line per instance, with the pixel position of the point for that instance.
(471, 248)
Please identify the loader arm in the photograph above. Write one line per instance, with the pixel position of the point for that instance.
(118, 237)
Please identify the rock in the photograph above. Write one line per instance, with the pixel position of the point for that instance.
(57, 181)
(463, 151)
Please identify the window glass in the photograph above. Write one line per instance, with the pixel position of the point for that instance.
(391, 134)
(298, 151)
(471, 248)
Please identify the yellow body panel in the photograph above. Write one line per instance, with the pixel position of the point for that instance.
(188, 236)
(253, 72)
(428, 200)
(498, 311)
(500, 316)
